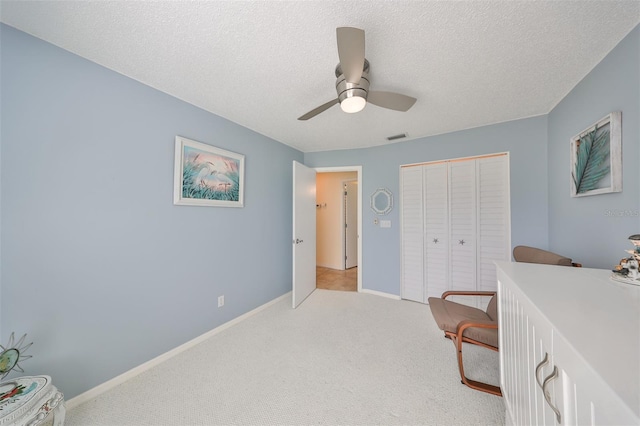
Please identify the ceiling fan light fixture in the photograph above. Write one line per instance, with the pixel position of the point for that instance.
(353, 104)
(352, 84)
(352, 96)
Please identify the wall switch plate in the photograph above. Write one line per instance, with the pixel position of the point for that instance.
(220, 301)
(385, 224)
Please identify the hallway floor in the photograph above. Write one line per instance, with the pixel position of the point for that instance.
(333, 279)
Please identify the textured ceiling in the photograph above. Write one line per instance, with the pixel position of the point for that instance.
(262, 64)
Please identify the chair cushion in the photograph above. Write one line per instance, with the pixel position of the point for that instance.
(492, 308)
(535, 255)
(449, 314)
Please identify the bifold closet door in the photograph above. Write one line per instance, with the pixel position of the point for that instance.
(462, 216)
(425, 232)
(412, 234)
(455, 224)
(493, 219)
(436, 225)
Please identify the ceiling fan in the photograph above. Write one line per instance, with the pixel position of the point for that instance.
(353, 79)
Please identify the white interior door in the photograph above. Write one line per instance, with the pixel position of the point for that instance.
(304, 232)
(351, 224)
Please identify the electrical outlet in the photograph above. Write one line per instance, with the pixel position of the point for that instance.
(220, 301)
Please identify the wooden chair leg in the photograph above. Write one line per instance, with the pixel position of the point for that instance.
(473, 384)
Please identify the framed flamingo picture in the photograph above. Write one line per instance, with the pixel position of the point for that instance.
(207, 176)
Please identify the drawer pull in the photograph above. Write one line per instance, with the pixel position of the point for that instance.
(542, 363)
(547, 397)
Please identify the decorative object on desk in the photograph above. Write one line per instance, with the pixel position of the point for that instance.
(596, 158)
(207, 176)
(627, 271)
(382, 201)
(635, 240)
(12, 354)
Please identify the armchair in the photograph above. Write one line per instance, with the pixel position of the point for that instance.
(466, 324)
(535, 255)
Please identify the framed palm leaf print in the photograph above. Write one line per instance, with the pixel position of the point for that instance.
(596, 158)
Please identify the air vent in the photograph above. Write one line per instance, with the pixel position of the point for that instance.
(395, 137)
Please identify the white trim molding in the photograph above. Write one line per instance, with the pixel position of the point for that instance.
(110, 384)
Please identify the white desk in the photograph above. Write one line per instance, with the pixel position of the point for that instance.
(588, 325)
(30, 401)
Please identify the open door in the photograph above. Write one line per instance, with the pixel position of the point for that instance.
(304, 232)
(351, 224)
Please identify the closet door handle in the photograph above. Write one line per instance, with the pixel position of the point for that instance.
(542, 363)
(547, 397)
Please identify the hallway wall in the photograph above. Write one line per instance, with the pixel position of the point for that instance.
(330, 218)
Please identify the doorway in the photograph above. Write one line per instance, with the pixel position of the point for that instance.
(338, 228)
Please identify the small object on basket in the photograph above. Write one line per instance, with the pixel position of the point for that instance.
(12, 354)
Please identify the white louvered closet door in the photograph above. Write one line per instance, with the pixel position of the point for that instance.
(462, 216)
(412, 234)
(455, 224)
(436, 219)
(493, 218)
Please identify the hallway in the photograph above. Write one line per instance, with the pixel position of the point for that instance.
(333, 279)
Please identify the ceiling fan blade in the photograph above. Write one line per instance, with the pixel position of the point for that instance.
(318, 110)
(351, 52)
(391, 100)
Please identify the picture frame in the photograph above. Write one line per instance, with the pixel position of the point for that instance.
(207, 176)
(596, 158)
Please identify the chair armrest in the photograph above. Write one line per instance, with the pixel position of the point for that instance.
(467, 293)
(463, 325)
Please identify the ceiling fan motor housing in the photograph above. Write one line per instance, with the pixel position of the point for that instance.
(352, 83)
(348, 90)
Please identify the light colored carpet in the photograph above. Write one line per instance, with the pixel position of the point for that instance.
(340, 359)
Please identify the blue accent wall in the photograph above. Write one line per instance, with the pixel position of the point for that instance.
(98, 266)
(104, 273)
(526, 142)
(593, 230)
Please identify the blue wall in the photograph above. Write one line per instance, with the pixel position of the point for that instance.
(98, 266)
(594, 230)
(104, 273)
(526, 142)
(542, 212)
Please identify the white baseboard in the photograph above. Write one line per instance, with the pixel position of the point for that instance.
(381, 293)
(110, 384)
